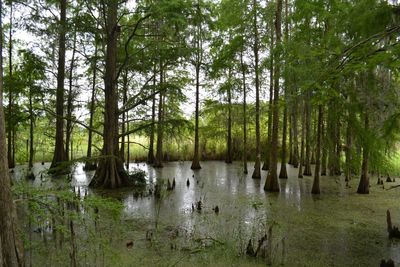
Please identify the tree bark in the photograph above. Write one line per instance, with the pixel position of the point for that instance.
(124, 117)
(324, 149)
(290, 130)
(271, 183)
(228, 158)
(333, 162)
(348, 148)
(59, 151)
(31, 128)
(283, 171)
(199, 57)
(301, 161)
(270, 103)
(307, 166)
(160, 124)
(10, 250)
(10, 130)
(316, 187)
(295, 159)
(70, 98)
(110, 172)
(257, 165)
(245, 171)
(363, 186)
(90, 165)
(338, 147)
(150, 155)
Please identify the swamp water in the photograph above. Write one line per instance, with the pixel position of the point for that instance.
(337, 228)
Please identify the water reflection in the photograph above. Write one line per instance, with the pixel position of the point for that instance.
(331, 223)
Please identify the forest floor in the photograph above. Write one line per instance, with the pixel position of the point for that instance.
(337, 228)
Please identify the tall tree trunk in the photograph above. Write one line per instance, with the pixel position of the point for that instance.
(290, 130)
(124, 117)
(271, 183)
(315, 187)
(110, 172)
(31, 127)
(331, 134)
(301, 161)
(90, 165)
(363, 186)
(10, 252)
(59, 151)
(70, 99)
(270, 103)
(160, 123)
(257, 165)
(314, 122)
(307, 166)
(348, 148)
(283, 171)
(150, 155)
(128, 151)
(10, 130)
(245, 171)
(324, 149)
(295, 159)
(199, 58)
(338, 147)
(228, 158)
(196, 160)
